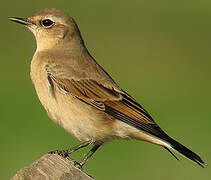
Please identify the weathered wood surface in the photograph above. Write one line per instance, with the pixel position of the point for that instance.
(51, 167)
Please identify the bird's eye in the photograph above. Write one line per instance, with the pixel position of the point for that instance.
(47, 23)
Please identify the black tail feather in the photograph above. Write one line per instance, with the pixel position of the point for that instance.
(186, 152)
(172, 153)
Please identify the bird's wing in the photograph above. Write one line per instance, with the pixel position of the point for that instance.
(112, 101)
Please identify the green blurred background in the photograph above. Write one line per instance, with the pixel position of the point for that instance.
(157, 50)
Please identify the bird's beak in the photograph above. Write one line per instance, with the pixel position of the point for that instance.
(23, 21)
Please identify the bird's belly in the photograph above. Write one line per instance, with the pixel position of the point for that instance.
(77, 118)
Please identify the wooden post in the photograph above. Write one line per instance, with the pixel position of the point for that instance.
(51, 167)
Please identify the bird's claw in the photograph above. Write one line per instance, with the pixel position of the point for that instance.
(62, 153)
(77, 165)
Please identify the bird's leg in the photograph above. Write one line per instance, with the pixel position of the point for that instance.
(88, 155)
(65, 153)
(85, 144)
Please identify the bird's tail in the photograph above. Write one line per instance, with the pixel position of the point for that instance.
(184, 151)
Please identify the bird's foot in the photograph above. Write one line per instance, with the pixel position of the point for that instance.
(62, 153)
(77, 164)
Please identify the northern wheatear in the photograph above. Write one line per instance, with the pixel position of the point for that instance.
(80, 96)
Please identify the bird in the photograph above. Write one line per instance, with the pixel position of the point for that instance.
(80, 96)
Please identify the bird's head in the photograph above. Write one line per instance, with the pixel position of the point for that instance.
(51, 27)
